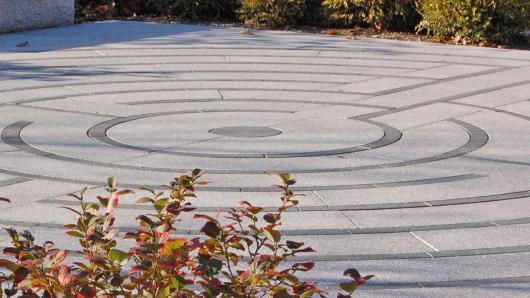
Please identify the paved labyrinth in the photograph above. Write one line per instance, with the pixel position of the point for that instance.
(415, 158)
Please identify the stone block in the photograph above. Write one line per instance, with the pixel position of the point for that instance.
(19, 15)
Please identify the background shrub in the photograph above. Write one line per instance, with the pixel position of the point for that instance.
(499, 21)
(380, 14)
(188, 9)
(314, 13)
(271, 13)
(343, 13)
(392, 14)
(467, 21)
(204, 9)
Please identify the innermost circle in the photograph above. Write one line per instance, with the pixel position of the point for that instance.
(245, 131)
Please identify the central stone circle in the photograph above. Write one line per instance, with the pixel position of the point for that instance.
(245, 131)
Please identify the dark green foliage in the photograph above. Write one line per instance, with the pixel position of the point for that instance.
(188, 9)
(272, 13)
(475, 21)
(380, 14)
(314, 13)
(204, 9)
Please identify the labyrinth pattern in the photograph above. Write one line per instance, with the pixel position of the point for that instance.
(414, 159)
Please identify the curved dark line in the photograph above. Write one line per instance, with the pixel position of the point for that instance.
(524, 117)
(75, 72)
(207, 63)
(162, 80)
(373, 230)
(313, 48)
(496, 160)
(359, 207)
(333, 258)
(227, 55)
(13, 181)
(477, 138)
(99, 132)
(445, 284)
(311, 102)
(256, 189)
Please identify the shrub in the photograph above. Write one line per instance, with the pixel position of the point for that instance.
(237, 256)
(388, 14)
(475, 21)
(204, 9)
(343, 13)
(271, 13)
(392, 14)
(190, 9)
(314, 13)
(140, 7)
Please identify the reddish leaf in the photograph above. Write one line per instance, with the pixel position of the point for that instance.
(211, 229)
(303, 266)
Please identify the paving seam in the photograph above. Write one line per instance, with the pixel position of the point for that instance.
(525, 117)
(439, 284)
(401, 256)
(444, 63)
(256, 189)
(311, 232)
(43, 67)
(146, 73)
(374, 94)
(62, 111)
(359, 207)
(495, 160)
(439, 81)
(444, 99)
(167, 81)
(10, 61)
(14, 181)
(314, 102)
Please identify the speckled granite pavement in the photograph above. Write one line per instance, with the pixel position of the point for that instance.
(414, 157)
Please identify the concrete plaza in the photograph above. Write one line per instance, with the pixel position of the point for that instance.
(414, 157)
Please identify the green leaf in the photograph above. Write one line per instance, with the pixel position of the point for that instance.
(148, 190)
(72, 209)
(82, 192)
(144, 200)
(160, 204)
(294, 245)
(75, 234)
(283, 177)
(348, 286)
(352, 272)
(197, 173)
(310, 293)
(8, 265)
(146, 221)
(176, 283)
(272, 235)
(118, 256)
(111, 182)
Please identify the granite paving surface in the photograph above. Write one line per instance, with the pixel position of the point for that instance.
(414, 158)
